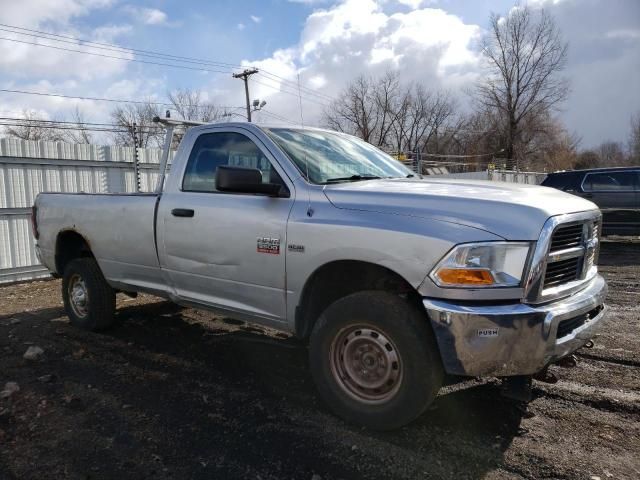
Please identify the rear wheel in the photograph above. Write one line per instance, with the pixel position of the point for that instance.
(88, 299)
(374, 360)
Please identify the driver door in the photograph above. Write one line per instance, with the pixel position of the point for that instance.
(214, 243)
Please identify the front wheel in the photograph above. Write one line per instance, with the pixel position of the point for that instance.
(374, 360)
(88, 299)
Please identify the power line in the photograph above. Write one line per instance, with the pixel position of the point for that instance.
(80, 124)
(36, 124)
(67, 125)
(128, 49)
(150, 53)
(308, 91)
(280, 89)
(112, 56)
(113, 100)
(274, 115)
(17, 119)
(91, 129)
(438, 155)
(288, 92)
(110, 46)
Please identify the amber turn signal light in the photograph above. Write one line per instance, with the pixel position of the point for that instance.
(465, 276)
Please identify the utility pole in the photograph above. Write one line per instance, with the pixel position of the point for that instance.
(136, 166)
(245, 76)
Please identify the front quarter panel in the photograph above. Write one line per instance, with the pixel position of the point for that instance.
(408, 246)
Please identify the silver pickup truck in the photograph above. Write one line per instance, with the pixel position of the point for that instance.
(394, 280)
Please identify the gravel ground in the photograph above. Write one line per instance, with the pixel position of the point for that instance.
(176, 393)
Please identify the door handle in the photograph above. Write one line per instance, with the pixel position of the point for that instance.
(182, 212)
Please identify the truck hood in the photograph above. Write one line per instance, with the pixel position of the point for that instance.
(512, 211)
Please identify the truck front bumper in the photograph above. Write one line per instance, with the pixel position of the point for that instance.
(514, 339)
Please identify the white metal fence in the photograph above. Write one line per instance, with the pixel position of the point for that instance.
(531, 178)
(28, 168)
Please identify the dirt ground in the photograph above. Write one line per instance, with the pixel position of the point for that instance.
(176, 393)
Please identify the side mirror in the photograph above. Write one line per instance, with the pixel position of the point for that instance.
(246, 180)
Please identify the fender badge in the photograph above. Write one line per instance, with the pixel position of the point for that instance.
(292, 247)
(268, 245)
(487, 332)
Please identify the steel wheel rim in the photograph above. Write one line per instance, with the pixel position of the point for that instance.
(366, 364)
(78, 296)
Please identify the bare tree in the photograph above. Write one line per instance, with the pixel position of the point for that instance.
(141, 115)
(31, 127)
(558, 149)
(587, 159)
(387, 95)
(389, 114)
(79, 133)
(190, 105)
(611, 154)
(355, 111)
(525, 54)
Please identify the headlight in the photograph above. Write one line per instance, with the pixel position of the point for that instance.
(490, 264)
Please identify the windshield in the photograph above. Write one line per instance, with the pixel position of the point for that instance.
(326, 157)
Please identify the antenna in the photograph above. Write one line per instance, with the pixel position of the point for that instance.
(306, 162)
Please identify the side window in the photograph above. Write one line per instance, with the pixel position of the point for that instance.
(212, 150)
(611, 181)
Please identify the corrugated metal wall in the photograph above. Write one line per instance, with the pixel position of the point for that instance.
(531, 178)
(28, 168)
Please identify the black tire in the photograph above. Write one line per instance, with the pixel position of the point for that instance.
(97, 312)
(408, 338)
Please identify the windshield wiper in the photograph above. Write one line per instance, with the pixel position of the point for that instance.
(352, 178)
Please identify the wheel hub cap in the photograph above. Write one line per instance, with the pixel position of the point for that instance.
(366, 364)
(78, 296)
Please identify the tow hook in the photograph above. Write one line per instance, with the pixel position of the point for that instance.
(545, 376)
(589, 344)
(567, 362)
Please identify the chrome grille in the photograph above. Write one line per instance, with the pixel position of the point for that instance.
(562, 271)
(569, 254)
(567, 237)
(565, 256)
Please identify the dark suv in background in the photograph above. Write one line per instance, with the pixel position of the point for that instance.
(615, 190)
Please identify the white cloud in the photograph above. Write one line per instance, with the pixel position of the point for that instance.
(309, 2)
(153, 16)
(32, 13)
(25, 60)
(109, 33)
(357, 37)
(624, 34)
(241, 26)
(440, 50)
(256, 19)
(413, 4)
(149, 16)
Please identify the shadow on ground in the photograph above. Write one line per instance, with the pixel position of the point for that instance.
(165, 396)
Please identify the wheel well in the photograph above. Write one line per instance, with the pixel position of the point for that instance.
(339, 279)
(70, 245)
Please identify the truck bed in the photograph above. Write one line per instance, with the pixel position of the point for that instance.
(118, 227)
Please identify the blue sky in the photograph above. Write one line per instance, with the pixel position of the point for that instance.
(327, 42)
